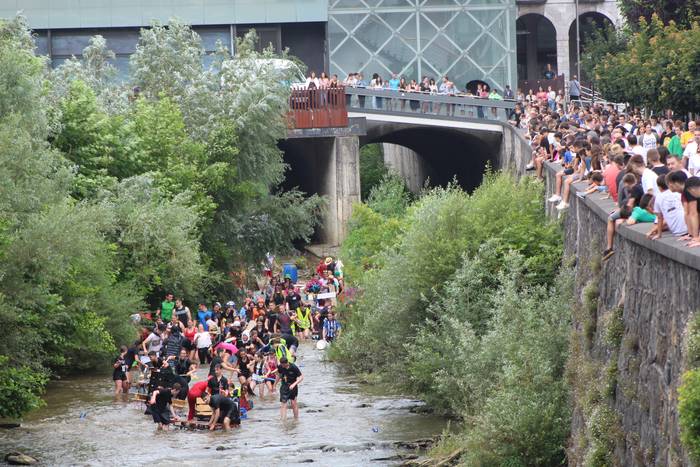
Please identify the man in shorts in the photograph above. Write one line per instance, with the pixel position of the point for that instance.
(224, 410)
(290, 377)
(161, 406)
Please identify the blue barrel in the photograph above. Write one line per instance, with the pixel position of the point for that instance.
(290, 270)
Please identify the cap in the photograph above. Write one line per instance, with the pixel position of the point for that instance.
(230, 303)
(237, 323)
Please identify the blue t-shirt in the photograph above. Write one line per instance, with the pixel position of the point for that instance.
(568, 157)
(202, 316)
(394, 83)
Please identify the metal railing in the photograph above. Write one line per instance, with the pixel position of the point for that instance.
(448, 106)
(317, 108)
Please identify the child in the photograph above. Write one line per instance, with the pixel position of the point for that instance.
(596, 185)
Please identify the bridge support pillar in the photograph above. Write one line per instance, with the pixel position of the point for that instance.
(341, 187)
(407, 163)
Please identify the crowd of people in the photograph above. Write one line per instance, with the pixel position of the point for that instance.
(650, 167)
(242, 348)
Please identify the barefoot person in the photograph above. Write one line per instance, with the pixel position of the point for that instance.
(291, 377)
(121, 369)
(224, 410)
(161, 406)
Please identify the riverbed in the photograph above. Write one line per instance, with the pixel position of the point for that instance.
(343, 422)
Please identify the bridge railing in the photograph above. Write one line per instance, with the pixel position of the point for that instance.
(317, 108)
(453, 107)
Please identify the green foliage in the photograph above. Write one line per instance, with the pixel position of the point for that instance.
(390, 197)
(692, 342)
(19, 389)
(681, 12)
(689, 412)
(372, 168)
(615, 328)
(477, 328)
(604, 430)
(656, 66)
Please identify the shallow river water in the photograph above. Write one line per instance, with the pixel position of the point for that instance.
(342, 423)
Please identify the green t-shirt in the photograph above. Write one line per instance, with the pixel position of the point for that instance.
(166, 310)
(642, 215)
(674, 146)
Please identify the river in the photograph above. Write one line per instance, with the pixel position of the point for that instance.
(342, 423)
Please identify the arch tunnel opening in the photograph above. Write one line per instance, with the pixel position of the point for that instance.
(439, 155)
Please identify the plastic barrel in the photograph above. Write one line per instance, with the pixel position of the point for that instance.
(290, 269)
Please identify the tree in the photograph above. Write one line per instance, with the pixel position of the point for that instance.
(682, 12)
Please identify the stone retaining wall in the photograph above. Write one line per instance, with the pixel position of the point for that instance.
(657, 285)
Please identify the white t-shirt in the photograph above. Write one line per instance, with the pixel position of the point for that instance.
(669, 205)
(203, 339)
(649, 181)
(648, 142)
(694, 163)
(155, 342)
(690, 149)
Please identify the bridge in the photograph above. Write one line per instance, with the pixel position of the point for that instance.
(425, 136)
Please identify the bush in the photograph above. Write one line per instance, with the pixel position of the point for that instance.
(372, 168)
(19, 389)
(689, 412)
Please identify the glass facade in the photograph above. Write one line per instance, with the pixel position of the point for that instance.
(465, 39)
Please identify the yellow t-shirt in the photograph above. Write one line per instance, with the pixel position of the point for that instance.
(686, 137)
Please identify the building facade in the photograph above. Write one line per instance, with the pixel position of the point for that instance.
(467, 40)
(546, 33)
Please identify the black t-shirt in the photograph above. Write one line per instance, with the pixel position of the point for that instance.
(271, 320)
(214, 361)
(164, 397)
(290, 340)
(278, 299)
(285, 323)
(243, 367)
(687, 197)
(660, 170)
(294, 300)
(289, 375)
(636, 192)
(130, 357)
(123, 368)
(219, 401)
(217, 386)
(182, 367)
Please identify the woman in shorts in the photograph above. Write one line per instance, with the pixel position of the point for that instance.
(120, 371)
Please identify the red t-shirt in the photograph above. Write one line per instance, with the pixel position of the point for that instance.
(610, 176)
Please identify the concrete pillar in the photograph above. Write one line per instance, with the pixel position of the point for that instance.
(563, 63)
(407, 163)
(341, 187)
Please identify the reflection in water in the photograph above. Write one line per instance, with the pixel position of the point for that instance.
(341, 424)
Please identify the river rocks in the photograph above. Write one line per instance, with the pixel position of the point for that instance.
(363, 406)
(9, 425)
(396, 457)
(418, 444)
(314, 411)
(17, 458)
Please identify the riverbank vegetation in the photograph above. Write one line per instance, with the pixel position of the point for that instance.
(112, 193)
(465, 305)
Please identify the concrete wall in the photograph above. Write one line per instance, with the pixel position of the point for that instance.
(656, 284)
(407, 163)
(329, 167)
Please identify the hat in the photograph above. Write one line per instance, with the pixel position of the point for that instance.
(230, 303)
(217, 304)
(328, 261)
(237, 323)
